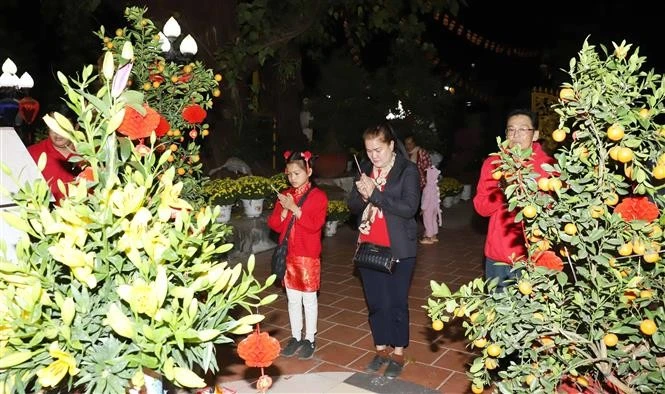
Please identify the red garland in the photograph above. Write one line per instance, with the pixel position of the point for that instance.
(637, 208)
(87, 174)
(549, 260)
(259, 349)
(185, 78)
(156, 78)
(135, 126)
(194, 114)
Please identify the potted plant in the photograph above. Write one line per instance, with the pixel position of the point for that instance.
(337, 212)
(586, 314)
(279, 182)
(123, 276)
(253, 190)
(223, 192)
(449, 188)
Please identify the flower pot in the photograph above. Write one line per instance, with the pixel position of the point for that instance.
(331, 228)
(466, 192)
(448, 201)
(152, 384)
(253, 208)
(224, 214)
(330, 165)
(457, 197)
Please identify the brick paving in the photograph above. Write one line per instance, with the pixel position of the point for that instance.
(437, 360)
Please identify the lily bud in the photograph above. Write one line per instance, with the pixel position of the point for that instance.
(107, 66)
(127, 51)
(68, 311)
(187, 378)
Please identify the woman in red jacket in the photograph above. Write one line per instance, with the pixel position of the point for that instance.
(505, 241)
(58, 150)
(303, 260)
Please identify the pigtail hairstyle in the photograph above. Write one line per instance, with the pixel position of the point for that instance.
(305, 158)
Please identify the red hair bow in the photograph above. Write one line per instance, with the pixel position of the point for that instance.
(307, 155)
(287, 154)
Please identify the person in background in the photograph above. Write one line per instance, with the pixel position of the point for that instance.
(303, 260)
(505, 241)
(386, 196)
(430, 206)
(419, 156)
(58, 150)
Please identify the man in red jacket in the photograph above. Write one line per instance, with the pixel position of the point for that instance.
(505, 241)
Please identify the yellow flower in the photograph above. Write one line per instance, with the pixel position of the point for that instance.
(223, 191)
(128, 200)
(155, 243)
(64, 363)
(254, 187)
(170, 197)
(145, 297)
(337, 210)
(80, 263)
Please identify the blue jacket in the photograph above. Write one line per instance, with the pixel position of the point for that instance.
(399, 202)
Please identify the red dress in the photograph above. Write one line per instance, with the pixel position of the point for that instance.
(57, 166)
(303, 259)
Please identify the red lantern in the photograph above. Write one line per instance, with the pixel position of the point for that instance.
(28, 108)
(137, 126)
(258, 349)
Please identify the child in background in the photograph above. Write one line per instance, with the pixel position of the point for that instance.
(430, 205)
(303, 260)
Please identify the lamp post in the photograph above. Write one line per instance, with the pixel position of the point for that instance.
(15, 98)
(170, 37)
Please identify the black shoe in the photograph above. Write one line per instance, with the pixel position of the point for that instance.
(376, 363)
(393, 370)
(307, 350)
(291, 347)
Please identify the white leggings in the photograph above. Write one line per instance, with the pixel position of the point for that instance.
(297, 299)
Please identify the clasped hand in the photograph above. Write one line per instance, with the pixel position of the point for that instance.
(287, 201)
(365, 186)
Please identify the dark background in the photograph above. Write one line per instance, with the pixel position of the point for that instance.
(43, 37)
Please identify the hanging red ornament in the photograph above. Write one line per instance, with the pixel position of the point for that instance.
(259, 349)
(135, 126)
(194, 114)
(162, 127)
(28, 108)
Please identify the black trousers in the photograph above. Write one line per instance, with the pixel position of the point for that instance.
(387, 297)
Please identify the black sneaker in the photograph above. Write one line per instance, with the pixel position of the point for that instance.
(376, 363)
(291, 347)
(307, 350)
(393, 369)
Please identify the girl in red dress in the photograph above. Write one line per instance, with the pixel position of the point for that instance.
(303, 260)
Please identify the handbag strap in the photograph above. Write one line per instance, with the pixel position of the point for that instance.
(293, 217)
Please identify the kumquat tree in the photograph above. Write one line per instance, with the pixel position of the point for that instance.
(180, 92)
(586, 312)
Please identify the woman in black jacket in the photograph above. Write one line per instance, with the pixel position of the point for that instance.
(386, 196)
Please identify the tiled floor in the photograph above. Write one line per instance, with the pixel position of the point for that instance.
(436, 360)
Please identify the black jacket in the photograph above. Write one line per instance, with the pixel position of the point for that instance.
(399, 202)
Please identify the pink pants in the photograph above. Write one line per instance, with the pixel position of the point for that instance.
(431, 222)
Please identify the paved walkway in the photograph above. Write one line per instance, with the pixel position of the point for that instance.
(436, 360)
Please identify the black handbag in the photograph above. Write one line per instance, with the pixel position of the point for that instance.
(278, 260)
(375, 257)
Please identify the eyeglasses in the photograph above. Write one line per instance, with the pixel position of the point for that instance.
(521, 131)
